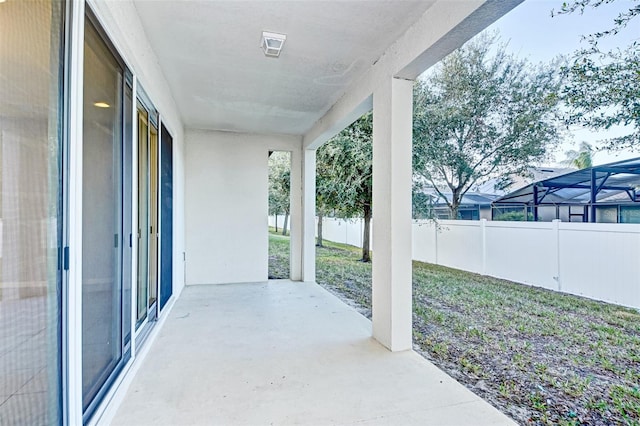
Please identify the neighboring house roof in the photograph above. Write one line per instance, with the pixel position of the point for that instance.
(613, 182)
(469, 199)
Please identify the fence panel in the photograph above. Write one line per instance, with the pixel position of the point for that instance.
(459, 244)
(595, 260)
(524, 252)
(600, 261)
(424, 241)
(334, 230)
(354, 228)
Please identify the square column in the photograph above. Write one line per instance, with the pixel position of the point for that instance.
(296, 230)
(392, 173)
(309, 215)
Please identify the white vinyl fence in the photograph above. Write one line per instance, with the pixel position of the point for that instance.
(598, 261)
(272, 222)
(595, 260)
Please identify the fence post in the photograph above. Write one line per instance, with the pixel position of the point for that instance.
(483, 229)
(346, 231)
(556, 239)
(435, 241)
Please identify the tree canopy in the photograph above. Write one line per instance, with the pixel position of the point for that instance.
(481, 113)
(582, 158)
(602, 87)
(280, 185)
(344, 175)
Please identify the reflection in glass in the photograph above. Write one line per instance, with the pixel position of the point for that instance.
(127, 205)
(143, 215)
(102, 215)
(153, 220)
(30, 214)
(166, 215)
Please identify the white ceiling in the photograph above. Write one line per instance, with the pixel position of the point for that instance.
(209, 52)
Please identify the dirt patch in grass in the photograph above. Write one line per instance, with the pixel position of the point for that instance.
(540, 357)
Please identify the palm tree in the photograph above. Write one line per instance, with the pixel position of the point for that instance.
(581, 158)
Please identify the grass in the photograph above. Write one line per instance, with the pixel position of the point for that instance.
(539, 356)
(278, 255)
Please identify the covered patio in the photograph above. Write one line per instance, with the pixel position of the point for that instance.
(283, 352)
(135, 142)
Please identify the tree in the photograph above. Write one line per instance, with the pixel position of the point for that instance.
(481, 113)
(603, 87)
(327, 187)
(279, 187)
(582, 158)
(421, 203)
(345, 169)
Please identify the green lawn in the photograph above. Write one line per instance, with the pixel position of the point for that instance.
(278, 255)
(539, 356)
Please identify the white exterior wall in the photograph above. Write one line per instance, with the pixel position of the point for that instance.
(226, 205)
(598, 261)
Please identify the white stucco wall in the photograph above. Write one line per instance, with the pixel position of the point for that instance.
(226, 205)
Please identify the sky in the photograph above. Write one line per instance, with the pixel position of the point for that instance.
(532, 33)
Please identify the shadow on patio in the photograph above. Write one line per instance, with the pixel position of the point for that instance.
(286, 353)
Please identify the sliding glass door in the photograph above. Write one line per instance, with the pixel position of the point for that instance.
(143, 216)
(166, 216)
(104, 237)
(147, 279)
(31, 94)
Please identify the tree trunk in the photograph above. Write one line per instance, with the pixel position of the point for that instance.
(276, 216)
(453, 210)
(366, 255)
(285, 224)
(319, 242)
(455, 204)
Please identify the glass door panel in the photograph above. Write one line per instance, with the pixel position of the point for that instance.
(31, 92)
(153, 221)
(127, 232)
(143, 216)
(102, 215)
(166, 216)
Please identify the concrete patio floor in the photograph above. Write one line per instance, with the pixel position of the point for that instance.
(286, 353)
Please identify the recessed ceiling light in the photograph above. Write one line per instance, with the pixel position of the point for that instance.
(99, 104)
(272, 43)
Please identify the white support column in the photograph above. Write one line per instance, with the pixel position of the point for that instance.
(296, 219)
(392, 134)
(309, 215)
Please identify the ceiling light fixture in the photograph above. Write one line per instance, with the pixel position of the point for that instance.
(272, 43)
(101, 105)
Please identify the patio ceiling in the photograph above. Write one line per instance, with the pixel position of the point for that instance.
(209, 53)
